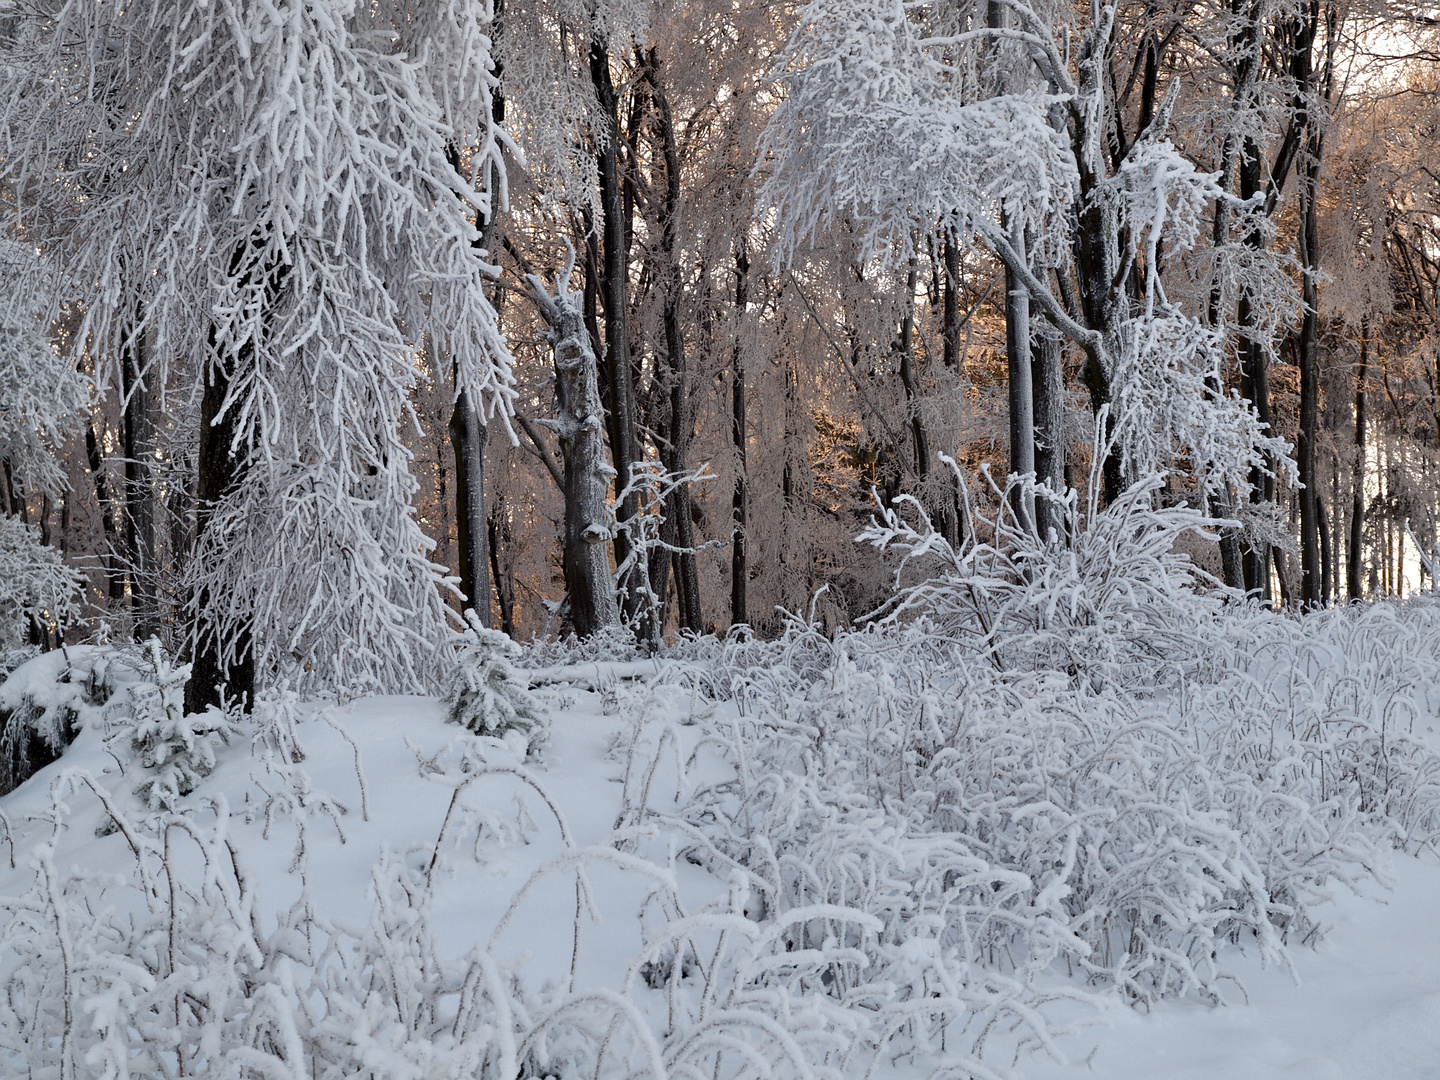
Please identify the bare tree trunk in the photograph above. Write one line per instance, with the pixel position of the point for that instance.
(468, 436)
(1310, 581)
(1017, 358)
(1017, 328)
(579, 423)
(950, 327)
(498, 528)
(139, 443)
(1353, 585)
(938, 508)
(1048, 381)
(739, 563)
(213, 677)
(678, 509)
(614, 288)
(1311, 525)
(1327, 564)
(114, 575)
(1254, 381)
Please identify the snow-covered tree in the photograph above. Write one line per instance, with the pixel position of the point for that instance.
(486, 694)
(176, 749)
(41, 393)
(290, 228)
(36, 587)
(899, 116)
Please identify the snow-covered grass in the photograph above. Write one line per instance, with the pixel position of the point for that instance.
(937, 846)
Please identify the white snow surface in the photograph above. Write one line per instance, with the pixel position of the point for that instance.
(1366, 1006)
(1367, 1003)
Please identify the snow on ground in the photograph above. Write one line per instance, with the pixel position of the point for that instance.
(1367, 1004)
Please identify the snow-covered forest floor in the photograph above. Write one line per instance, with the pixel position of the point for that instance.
(880, 853)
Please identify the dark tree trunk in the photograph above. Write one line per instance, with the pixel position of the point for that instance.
(1353, 585)
(678, 504)
(114, 575)
(498, 526)
(468, 436)
(579, 423)
(1311, 586)
(139, 442)
(614, 289)
(1254, 381)
(221, 671)
(939, 509)
(1017, 363)
(1327, 561)
(739, 565)
(1311, 523)
(950, 327)
(1048, 381)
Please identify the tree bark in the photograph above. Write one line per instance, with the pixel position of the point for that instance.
(937, 508)
(614, 289)
(1021, 397)
(1353, 585)
(1048, 382)
(1311, 526)
(220, 671)
(1254, 381)
(678, 508)
(739, 564)
(950, 326)
(1327, 561)
(139, 444)
(468, 436)
(114, 575)
(579, 423)
(1311, 587)
(498, 528)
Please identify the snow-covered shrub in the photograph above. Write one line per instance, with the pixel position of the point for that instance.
(1342, 692)
(1117, 603)
(170, 970)
(176, 749)
(485, 694)
(1008, 820)
(36, 587)
(615, 642)
(43, 704)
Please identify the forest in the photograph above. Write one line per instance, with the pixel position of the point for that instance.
(924, 515)
(812, 252)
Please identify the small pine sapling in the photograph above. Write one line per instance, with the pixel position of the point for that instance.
(177, 750)
(484, 693)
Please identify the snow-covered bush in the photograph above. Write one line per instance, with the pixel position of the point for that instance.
(170, 970)
(1118, 603)
(36, 587)
(177, 750)
(615, 642)
(485, 694)
(1085, 755)
(1003, 822)
(44, 702)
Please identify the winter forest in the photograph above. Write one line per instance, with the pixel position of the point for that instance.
(719, 540)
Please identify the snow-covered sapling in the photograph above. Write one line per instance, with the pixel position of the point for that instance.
(176, 750)
(485, 694)
(37, 589)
